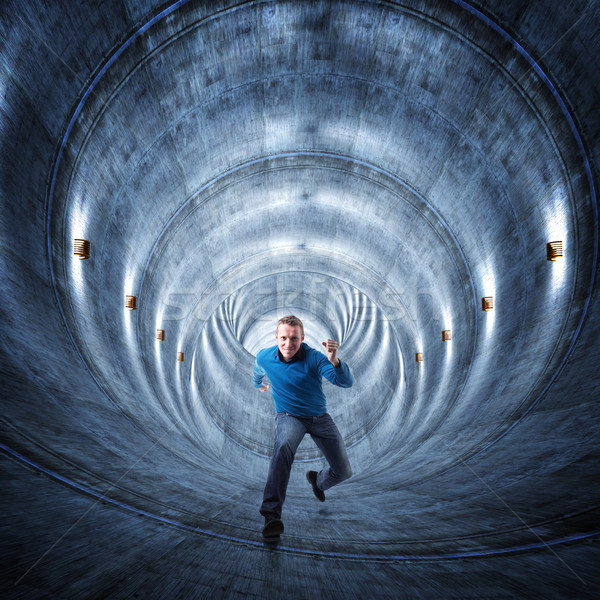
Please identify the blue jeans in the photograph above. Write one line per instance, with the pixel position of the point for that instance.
(289, 434)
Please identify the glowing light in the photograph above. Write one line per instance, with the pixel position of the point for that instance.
(77, 276)
(78, 220)
(554, 250)
(447, 321)
(81, 248)
(128, 286)
(555, 216)
(488, 285)
(78, 227)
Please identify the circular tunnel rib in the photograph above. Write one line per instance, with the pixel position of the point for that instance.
(376, 168)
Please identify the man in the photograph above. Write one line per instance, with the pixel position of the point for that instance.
(296, 372)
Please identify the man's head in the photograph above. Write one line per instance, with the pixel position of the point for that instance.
(289, 335)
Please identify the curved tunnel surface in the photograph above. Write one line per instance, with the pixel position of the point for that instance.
(376, 168)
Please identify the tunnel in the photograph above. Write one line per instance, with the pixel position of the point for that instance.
(414, 179)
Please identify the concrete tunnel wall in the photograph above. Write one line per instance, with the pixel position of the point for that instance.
(374, 167)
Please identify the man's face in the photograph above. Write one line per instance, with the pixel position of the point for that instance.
(289, 338)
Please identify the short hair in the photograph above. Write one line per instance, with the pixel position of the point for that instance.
(290, 320)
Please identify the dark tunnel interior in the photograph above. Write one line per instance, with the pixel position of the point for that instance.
(390, 172)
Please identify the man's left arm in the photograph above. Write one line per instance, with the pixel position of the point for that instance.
(333, 368)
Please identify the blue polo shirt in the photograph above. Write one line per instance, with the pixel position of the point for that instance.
(297, 385)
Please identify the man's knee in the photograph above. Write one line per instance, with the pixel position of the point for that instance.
(345, 472)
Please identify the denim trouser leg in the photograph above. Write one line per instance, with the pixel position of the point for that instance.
(289, 433)
(329, 440)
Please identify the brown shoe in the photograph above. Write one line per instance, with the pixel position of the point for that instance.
(317, 491)
(273, 527)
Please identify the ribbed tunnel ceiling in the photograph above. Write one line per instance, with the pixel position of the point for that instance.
(303, 167)
(375, 168)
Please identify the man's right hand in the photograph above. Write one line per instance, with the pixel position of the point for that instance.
(263, 388)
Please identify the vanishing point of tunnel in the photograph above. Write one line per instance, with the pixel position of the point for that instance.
(416, 179)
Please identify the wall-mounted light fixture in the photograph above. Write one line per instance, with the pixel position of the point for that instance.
(419, 357)
(446, 335)
(81, 249)
(487, 303)
(160, 335)
(554, 250)
(130, 302)
(180, 357)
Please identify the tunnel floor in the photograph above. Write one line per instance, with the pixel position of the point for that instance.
(85, 548)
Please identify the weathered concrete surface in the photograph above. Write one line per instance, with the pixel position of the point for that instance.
(375, 168)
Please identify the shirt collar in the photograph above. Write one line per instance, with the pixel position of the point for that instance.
(298, 356)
